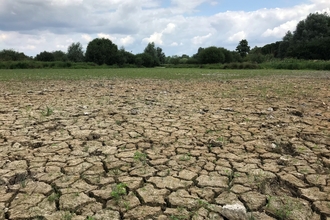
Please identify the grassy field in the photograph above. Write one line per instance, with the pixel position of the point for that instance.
(154, 73)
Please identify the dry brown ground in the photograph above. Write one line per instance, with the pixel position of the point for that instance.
(153, 149)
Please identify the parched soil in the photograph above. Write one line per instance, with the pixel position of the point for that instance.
(157, 149)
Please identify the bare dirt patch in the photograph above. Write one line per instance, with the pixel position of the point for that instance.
(157, 149)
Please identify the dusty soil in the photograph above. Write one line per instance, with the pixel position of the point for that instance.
(153, 149)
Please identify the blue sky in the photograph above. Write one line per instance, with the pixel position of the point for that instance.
(178, 27)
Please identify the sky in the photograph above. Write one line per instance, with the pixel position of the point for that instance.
(177, 26)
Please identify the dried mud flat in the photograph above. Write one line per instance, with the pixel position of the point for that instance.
(156, 149)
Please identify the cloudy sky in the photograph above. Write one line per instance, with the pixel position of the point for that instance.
(177, 26)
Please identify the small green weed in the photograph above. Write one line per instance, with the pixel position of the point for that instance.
(185, 157)
(67, 216)
(53, 197)
(47, 112)
(118, 122)
(118, 191)
(23, 183)
(142, 157)
(282, 208)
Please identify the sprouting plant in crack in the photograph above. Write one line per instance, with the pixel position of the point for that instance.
(48, 111)
(67, 216)
(203, 203)
(23, 183)
(53, 197)
(127, 205)
(118, 191)
(282, 208)
(185, 157)
(90, 218)
(142, 157)
(115, 171)
(231, 175)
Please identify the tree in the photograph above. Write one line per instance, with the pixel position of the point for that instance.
(102, 51)
(11, 55)
(200, 50)
(211, 55)
(315, 26)
(125, 57)
(310, 40)
(59, 55)
(160, 55)
(45, 56)
(228, 55)
(75, 52)
(283, 48)
(144, 59)
(243, 48)
(154, 53)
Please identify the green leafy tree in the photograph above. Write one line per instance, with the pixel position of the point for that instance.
(256, 56)
(60, 55)
(102, 51)
(243, 48)
(144, 59)
(125, 57)
(160, 55)
(174, 60)
(199, 51)
(11, 55)
(45, 56)
(211, 55)
(271, 49)
(228, 55)
(154, 53)
(315, 26)
(75, 52)
(284, 46)
(311, 38)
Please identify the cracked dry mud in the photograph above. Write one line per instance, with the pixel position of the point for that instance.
(156, 149)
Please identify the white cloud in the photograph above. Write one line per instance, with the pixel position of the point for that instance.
(155, 37)
(3, 36)
(106, 36)
(200, 39)
(86, 37)
(174, 44)
(169, 28)
(237, 36)
(280, 30)
(127, 40)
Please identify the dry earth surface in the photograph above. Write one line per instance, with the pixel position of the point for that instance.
(165, 149)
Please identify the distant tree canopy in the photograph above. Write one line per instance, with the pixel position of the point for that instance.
(11, 55)
(243, 48)
(310, 40)
(75, 52)
(211, 55)
(125, 57)
(60, 55)
(45, 56)
(214, 54)
(102, 51)
(155, 53)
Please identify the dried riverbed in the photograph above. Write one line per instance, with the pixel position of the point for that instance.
(156, 149)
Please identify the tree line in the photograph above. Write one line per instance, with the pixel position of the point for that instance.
(310, 41)
(103, 51)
